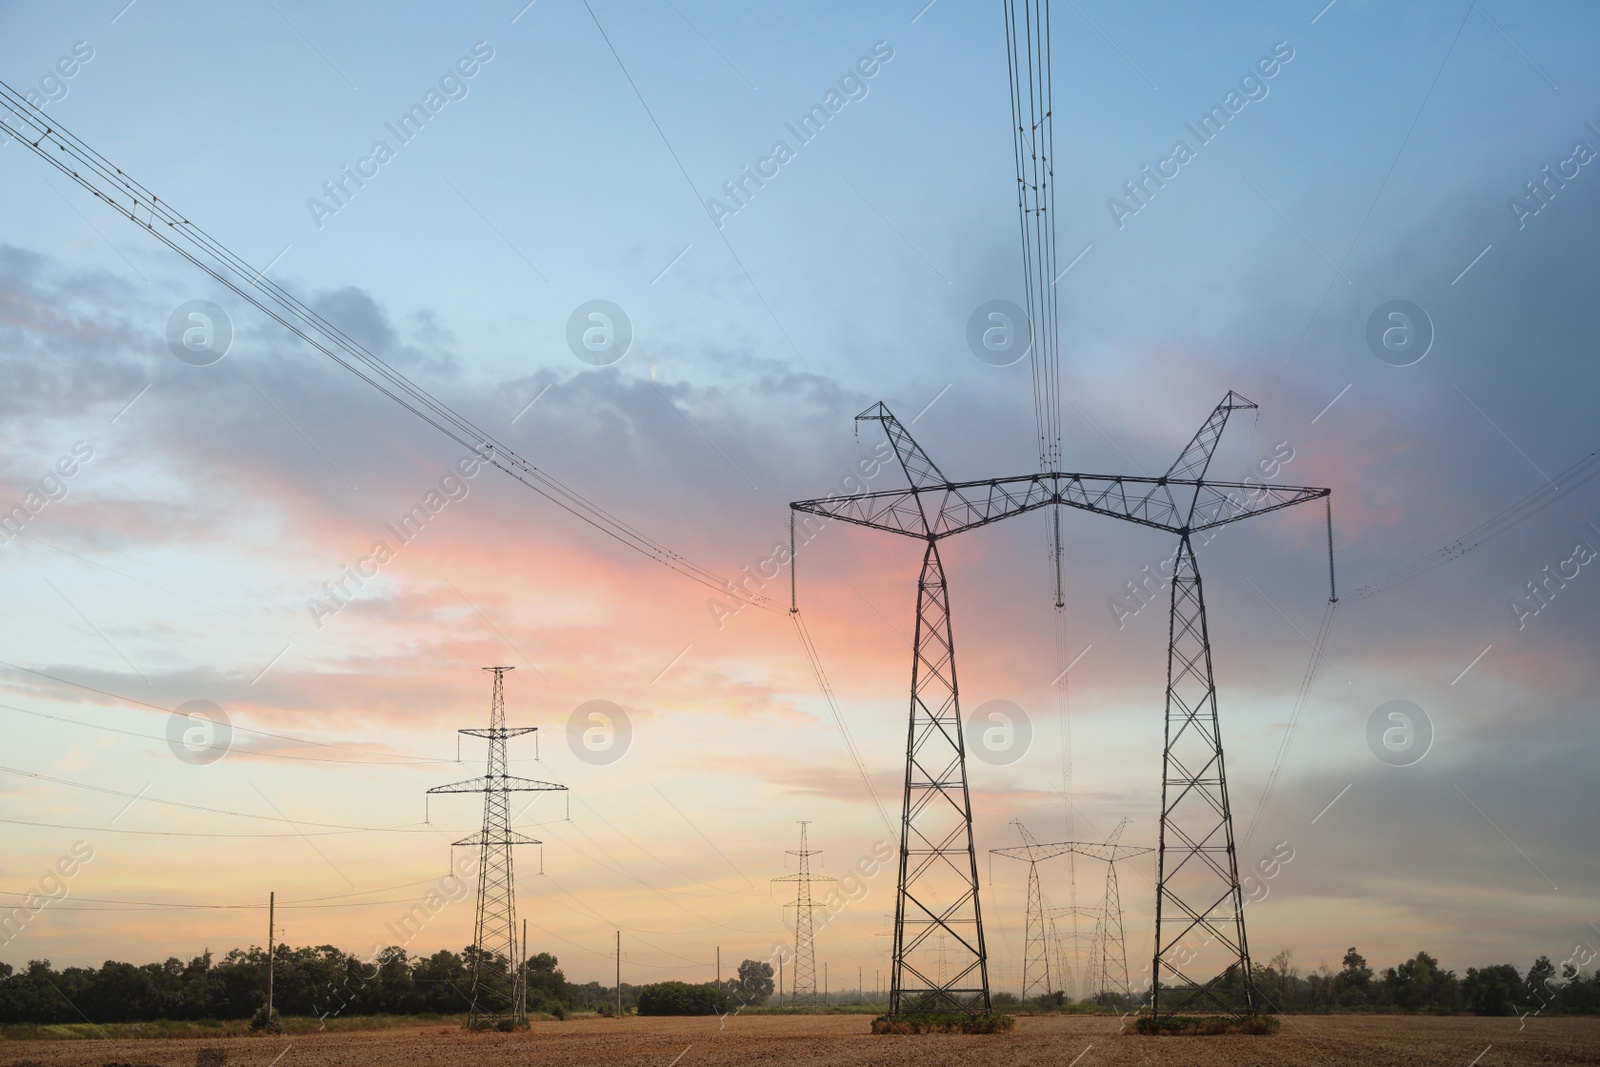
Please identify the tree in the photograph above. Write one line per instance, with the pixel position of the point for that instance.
(1493, 990)
(1355, 981)
(1419, 985)
(681, 998)
(442, 982)
(119, 992)
(1542, 988)
(1278, 982)
(755, 979)
(547, 986)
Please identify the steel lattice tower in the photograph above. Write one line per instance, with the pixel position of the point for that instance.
(1036, 853)
(1035, 942)
(1110, 944)
(1196, 824)
(1035, 947)
(1067, 969)
(1198, 894)
(937, 893)
(805, 955)
(494, 937)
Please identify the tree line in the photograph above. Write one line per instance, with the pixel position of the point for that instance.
(323, 981)
(320, 981)
(1420, 985)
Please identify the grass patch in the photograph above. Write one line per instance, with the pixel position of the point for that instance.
(1206, 1025)
(943, 1022)
(215, 1028)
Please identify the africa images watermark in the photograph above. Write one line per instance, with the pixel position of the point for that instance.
(452, 86)
(450, 889)
(1252, 87)
(1542, 190)
(51, 486)
(52, 889)
(1542, 591)
(453, 487)
(52, 84)
(852, 86)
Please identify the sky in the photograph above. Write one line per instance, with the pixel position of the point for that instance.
(1388, 158)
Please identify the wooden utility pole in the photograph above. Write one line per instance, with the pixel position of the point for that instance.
(719, 966)
(524, 1005)
(272, 908)
(824, 983)
(619, 974)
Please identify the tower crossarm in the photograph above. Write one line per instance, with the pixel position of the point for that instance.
(920, 470)
(1160, 503)
(508, 837)
(1093, 849)
(499, 782)
(1219, 503)
(500, 732)
(806, 878)
(1193, 461)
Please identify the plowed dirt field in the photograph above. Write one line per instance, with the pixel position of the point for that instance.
(842, 1040)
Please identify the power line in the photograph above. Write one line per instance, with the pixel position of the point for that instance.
(306, 634)
(838, 716)
(302, 902)
(265, 755)
(1294, 716)
(236, 729)
(191, 807)
(89, 169)
(1579, 474)
(1033, 144)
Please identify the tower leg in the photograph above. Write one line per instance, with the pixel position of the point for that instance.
(805, 952)
(494, 939)
(1114, 965)
(1035, 950)
(1199, 907)
(937, 898)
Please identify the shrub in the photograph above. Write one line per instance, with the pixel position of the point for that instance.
(943, 1022)
(1208, 1025)
(681, 998)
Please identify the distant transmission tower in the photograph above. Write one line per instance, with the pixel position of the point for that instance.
(1070, 969)
(805, 954)
(494, 937)
(1113, 949)
(1106, 953)
(1035, 942)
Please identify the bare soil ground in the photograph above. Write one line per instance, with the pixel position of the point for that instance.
(840, 1040)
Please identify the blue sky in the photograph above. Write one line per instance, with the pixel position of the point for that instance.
(1377, 166)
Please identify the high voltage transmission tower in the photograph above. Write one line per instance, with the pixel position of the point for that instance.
(1198, 897)
(937, 892)
(1035, 939)
(1109, 954)
(1069, 968)
(804, 989)
(494, 937)
(1036, 942)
